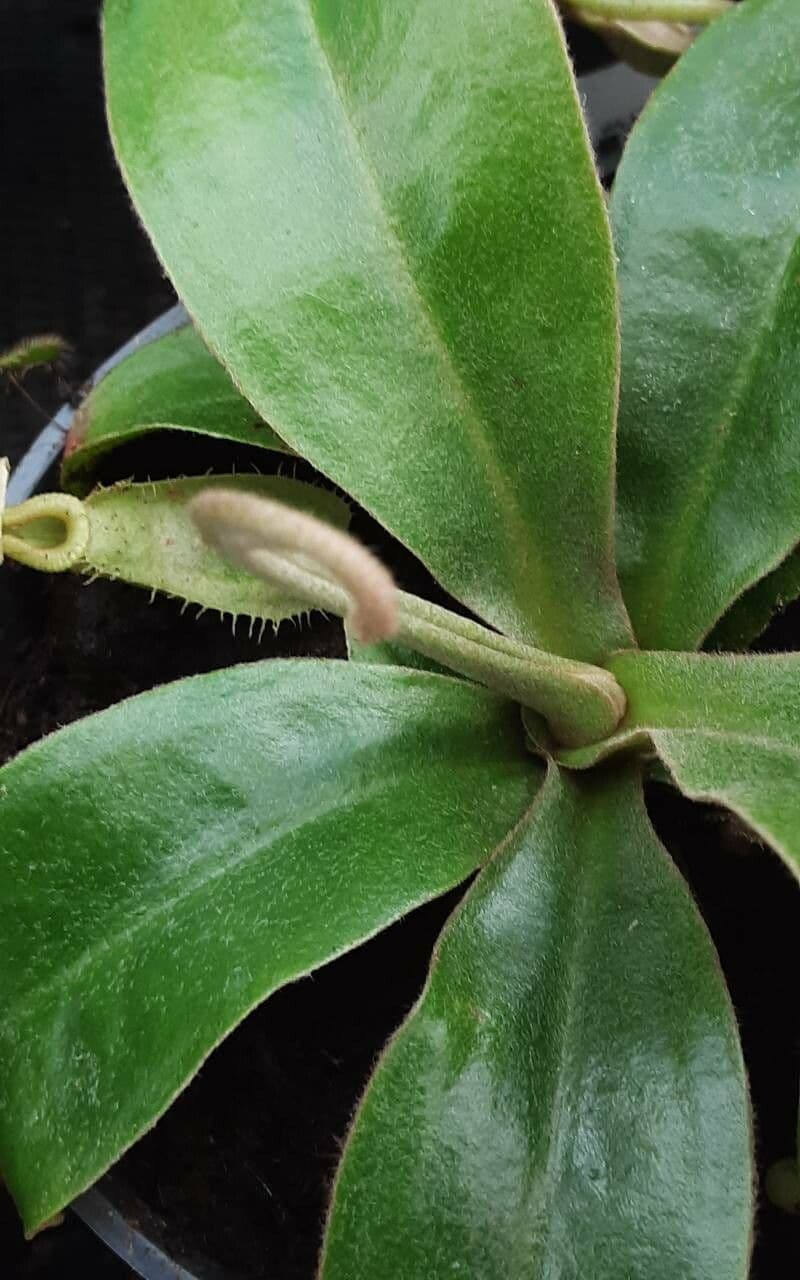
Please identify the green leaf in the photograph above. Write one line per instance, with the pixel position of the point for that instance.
(727, 726)
(706, 210)
(568, 1098)
(751, 614)
(170, 384)
(142, 533)
(371, 211)
(169, 863)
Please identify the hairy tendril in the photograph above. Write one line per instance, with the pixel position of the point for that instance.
(328, 569)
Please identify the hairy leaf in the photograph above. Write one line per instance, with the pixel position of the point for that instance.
(372, 212)
(706, 210)
(171, 384)
(568, 1098)
(727, 726)
(170, 862)
(142, 533)
(751, 614)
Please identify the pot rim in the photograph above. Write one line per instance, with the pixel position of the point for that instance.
(132, 1232)
(40, 456)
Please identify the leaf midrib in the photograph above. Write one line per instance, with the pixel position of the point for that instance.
(498, 480)
(578, 943)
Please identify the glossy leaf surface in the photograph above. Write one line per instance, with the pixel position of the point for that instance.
(706, 211)
(170, 862)
(568, 1099)
(372, 212)
(172, 383)
(727, 726)
(142, 533)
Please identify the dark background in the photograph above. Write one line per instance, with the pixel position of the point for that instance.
(73, 260)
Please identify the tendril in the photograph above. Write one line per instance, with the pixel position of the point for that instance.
(320, 565)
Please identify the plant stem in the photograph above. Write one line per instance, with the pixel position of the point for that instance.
(653, 10)
(578, 701)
